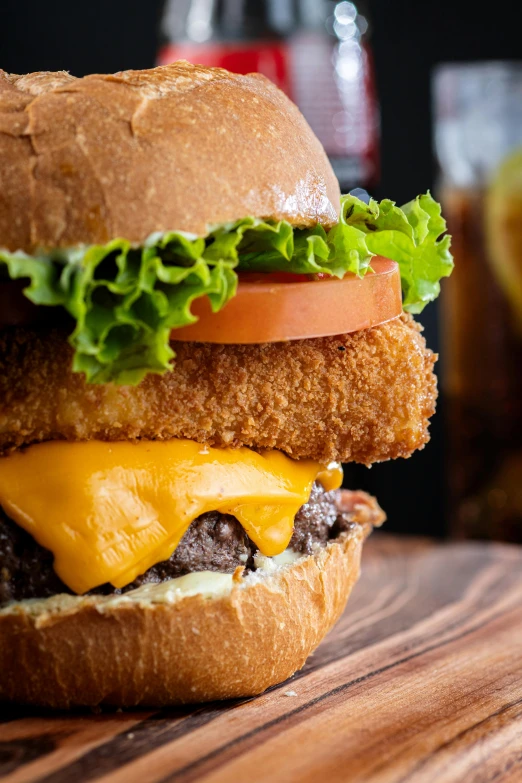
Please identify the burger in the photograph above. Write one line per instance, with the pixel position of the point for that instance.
(196, 330)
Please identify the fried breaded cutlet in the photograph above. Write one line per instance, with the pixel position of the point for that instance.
(362, 397)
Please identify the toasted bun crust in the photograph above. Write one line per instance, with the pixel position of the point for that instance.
(197, 649)
(177, 147)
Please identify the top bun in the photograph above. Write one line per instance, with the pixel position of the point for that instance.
(180, 147)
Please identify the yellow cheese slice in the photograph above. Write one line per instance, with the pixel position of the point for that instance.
(110, 511)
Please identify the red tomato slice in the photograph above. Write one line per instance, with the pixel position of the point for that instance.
(17, 310)
(267, 308)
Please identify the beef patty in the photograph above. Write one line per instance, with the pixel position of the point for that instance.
(213, 542)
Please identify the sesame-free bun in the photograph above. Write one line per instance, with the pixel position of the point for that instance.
(238, 642)
(179, 147)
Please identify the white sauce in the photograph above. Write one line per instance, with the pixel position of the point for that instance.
(207, 584)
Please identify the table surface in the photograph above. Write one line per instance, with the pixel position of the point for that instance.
(421, 680)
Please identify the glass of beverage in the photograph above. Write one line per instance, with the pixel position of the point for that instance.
(478, 139)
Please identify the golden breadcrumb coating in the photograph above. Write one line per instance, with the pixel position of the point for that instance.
(362, 397)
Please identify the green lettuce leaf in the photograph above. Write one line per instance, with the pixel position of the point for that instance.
(412, 236)
(125, 300)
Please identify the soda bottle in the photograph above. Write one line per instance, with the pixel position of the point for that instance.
(316, 51)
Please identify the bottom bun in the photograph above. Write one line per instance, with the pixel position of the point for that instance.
(204, 637)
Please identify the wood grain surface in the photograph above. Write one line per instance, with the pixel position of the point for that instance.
(421, 680)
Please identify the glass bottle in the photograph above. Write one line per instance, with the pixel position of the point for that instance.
(317, 51)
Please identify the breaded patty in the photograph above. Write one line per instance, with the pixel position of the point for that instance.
(362, 397)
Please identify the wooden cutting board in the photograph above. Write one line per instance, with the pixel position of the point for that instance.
(421, 680)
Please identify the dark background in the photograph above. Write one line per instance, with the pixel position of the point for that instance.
(408, 39)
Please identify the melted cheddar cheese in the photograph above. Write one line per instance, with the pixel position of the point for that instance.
(110, 511)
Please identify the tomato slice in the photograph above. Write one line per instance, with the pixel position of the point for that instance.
(17, 310)
(267, 308)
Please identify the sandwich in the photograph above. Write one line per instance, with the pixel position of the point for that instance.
(196, 331)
